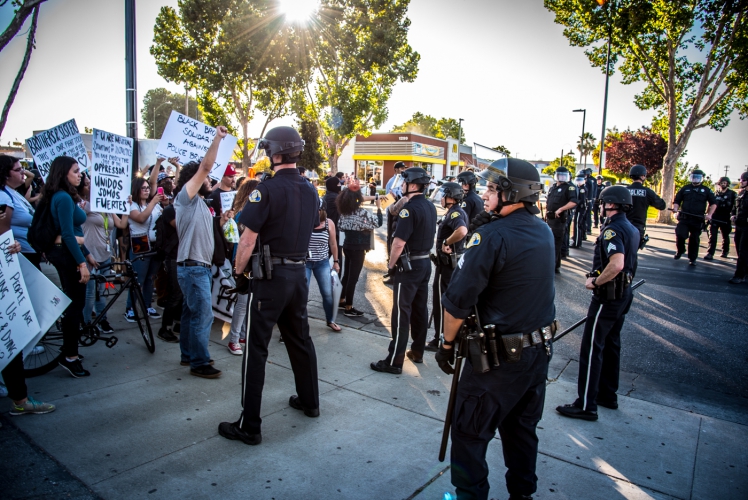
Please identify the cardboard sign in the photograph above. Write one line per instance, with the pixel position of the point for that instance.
(227, 200)
(62, 140)
(111, 172)
(386, 201)
(47, 300)
(18, 323)
(190, 139)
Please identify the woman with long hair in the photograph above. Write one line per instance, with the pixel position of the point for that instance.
(358, 224)
(18, 211)
(69, 254)
(321, 246)
(144, 210)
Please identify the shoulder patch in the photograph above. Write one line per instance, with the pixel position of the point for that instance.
(463, 204)
(404, 213)
(572, 188)
(474, 241)
(255, 196)
(609, 234)
(455, 215)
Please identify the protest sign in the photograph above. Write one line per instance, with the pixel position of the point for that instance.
(190, 139)
(111, 172)
(47, 300)
(62, 140)
(386, 201)
(18, 323)
(227, 200)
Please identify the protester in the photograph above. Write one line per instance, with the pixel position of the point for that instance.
(332, 185)
(372, 188)
(358, 224)
(227, 184)
(321, 246)
(18, 210)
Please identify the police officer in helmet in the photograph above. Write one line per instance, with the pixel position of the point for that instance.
(279, 218)
(590, 188)
(739, 216)
(506, 278)
(409, 263)
(613, 268)
(392, 210)
(642, 198)
(721, 222)
(450, 243)
(596, 202)
(689, 207)
(560, 202)
(580, 212)
(472, 204)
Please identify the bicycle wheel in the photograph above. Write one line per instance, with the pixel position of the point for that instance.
(48, 352)
(141, 317)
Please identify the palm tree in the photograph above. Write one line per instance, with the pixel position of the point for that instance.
(586, 145)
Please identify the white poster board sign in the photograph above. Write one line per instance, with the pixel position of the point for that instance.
(111, 172)
(47, 300)
(227, 200)
(62, 140)
(18, 323)
(190, 139)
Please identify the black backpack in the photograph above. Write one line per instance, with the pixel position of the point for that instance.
(42, 233)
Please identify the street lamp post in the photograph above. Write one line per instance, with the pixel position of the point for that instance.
(131, 79)
(459, 141)
(581, 139)
(154, 115)
(607, 81)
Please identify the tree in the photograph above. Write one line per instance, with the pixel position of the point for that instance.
(24, 8)
(311, 157)
(157, 107)
(586, 144)
(26, 56)
(691, 54)
(357, 51)
(504, 150)
(642, 147)
(569, 161)
(610, 135)
(430, 126)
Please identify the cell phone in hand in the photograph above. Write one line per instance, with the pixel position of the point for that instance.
(160, 191)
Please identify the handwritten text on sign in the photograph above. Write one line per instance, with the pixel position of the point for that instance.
(18, 323)
(62, 140)
(111, 172)
(227, 200)
(190, 139)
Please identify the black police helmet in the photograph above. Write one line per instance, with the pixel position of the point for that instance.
(416, 175)
(744, 176)
(467, 177)
(618, 195)
(562, 169)
(453, 190)
(607, 184)
(399, 165)
(638, 171)
(518, 178)
(284, 141)
(724, 179)
(698, 172)
(599, 178)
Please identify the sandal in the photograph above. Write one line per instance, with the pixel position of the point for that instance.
(333, 327)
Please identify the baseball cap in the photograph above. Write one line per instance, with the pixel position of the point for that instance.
(229, 171)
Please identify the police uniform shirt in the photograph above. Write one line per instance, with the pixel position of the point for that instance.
(472, 205)
(591, 188)
(694, 199)
(618, 236)
(642, 198)
(559, 195)
(416, 224)
(740, 209)
(507, 270)
(454, 219)
(283, 210)
(581, 196)
(725, 202)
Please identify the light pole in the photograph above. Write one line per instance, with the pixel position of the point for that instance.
(607, 81)
(581, 139)
(459, 141)
(131, 80)
(154, 115)
(727, 167)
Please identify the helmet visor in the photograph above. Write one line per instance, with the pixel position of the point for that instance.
(579, 181)
(562, 176)
(696, 178)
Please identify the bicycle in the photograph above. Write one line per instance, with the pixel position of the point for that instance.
(46, 360)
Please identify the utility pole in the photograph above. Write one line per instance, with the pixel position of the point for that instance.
(131, 81)
(607, 80)
(727, 167)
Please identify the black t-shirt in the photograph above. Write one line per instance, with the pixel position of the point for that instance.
(171, 237)
(283, 211)
(693, 200)
(472, 205)
(725, 202)
(617, 236)
(214, 200)
(740, 209)
(416, 224)
(642, 198)
(559, 195)
(454, 219)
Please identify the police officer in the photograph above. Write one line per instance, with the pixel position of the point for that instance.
(450, 243)
(740, 218)
(596, 201)
(506, 276)
(279, 218)
(688, 207)
(642, 198)
(591, 194)
(472, 204)
(410, 264)
(561, 199)
(581, 212)
(390, 213)
(614, 266)
(721, 221)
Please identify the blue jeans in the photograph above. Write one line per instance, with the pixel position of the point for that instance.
(197, 314)
(321, 270)
(91, 302)
(146, 269)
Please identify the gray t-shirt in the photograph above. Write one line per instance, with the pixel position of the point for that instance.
(195, 228)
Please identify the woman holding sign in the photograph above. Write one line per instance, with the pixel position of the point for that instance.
(18, 211)
(145, 209)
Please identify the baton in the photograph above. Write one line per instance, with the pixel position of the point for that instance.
(583, 320)
(459, 355)
(700, 216)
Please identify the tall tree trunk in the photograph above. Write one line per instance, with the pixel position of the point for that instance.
(22, 71)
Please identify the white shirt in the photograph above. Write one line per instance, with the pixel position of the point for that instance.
(137, 228)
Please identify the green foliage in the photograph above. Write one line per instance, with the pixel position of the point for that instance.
(311, 157)
(504, 150)
(158, 105)
(586, 145)
(441, 128)
(568, 161)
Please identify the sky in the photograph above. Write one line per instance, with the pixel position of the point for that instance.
(503, 66)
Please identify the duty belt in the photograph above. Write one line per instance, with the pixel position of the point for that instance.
(287, 262)
(531, 339)
(419, 257)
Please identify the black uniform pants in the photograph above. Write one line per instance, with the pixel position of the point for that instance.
(410, 311)
(282, 301)
(588, 217)
(714, 229)
(596, 212)
(174, 297)
(580, 226)
(509, 398)
(690, 230)
(558, 228)
(741, 246)
(600, 352)
(442, 277)
(567, 232)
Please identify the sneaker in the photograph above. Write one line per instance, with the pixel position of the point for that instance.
(187, 363)
(708, 257)
(152, 313)
(167, 336)
(432, 346)
(130, 316)
(31, 406)
(573, 411)
(230, 430)
(74, 367)
(353, 312)
(205, 371)
(235, 349)
(38, 349)
(736, 281)
(105, 327)
(242, 341)
(341, 305)
(382, 366)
